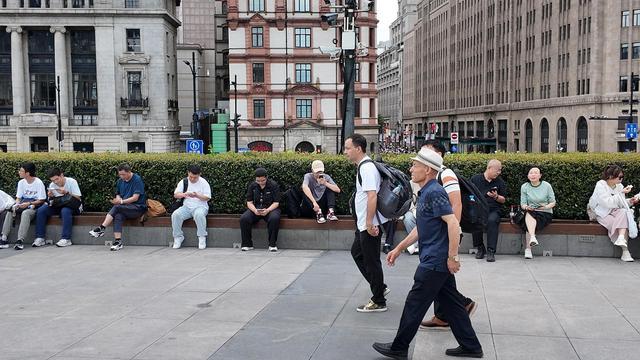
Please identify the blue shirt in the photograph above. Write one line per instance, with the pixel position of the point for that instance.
(126, 189)
(433, 232)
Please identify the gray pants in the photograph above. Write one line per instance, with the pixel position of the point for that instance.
(25, 221)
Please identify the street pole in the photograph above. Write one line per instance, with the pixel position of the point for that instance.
(193, 69)
(235, 111)
(59, 134)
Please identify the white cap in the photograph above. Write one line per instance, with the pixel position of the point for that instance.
(317, 166)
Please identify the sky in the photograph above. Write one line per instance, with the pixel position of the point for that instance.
(387, 12)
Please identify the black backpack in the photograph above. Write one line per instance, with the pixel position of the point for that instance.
(475, 209)
(395, 194)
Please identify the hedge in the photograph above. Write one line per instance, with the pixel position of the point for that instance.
(572, 175)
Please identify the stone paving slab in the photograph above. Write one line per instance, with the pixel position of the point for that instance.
(85, 302)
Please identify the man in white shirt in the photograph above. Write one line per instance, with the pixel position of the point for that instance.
(29, 196)
(195, 204)
(366, 246)
(65, 201)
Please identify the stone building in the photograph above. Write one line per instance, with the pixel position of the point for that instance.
(116, 65)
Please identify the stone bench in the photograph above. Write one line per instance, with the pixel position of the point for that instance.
(561, 237)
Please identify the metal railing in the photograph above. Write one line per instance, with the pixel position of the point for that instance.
(134, 103)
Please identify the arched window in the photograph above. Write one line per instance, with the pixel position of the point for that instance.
(583, 134)
(561, 146)
(490, 129)
(306, 147)
(544, 135)
(263, 146)
(528, 136)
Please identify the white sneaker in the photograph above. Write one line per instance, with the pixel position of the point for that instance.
(412, 249)
(38, 242)
(626, 256)
(533, 241)
(273, 248)
(528, 254)
(177, 242)
(64, 243)
(246, 248)
(202, 242)
(621, 241)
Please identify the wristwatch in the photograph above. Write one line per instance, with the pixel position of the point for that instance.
(455, 258)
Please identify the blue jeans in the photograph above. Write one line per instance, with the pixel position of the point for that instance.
(43, 214)
(409, 221)
(183, 213)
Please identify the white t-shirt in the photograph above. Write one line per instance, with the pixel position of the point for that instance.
(31, 192)
(370, 182)
(201, 187)
(70, 184)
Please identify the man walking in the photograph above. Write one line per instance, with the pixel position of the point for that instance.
(439, 237)
(366, 246)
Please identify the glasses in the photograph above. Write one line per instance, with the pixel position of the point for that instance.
(620, 177)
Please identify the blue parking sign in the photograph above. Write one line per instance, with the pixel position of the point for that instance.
(195, 146)
(631, 130)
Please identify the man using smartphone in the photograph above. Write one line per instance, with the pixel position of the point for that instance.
(495, 189)
(263, 200)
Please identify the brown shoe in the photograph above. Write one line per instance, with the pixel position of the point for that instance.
(434, 323)
(471, 308)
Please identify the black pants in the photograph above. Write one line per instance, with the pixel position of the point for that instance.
(366, 253)
(493, 228)
(248, 219)
(428, 286)
(326, 202)
(390, 231)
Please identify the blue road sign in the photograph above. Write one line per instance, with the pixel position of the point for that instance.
(454, 149)
(195, 146)
(631, 130)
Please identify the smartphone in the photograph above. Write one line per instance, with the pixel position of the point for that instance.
(495, 188)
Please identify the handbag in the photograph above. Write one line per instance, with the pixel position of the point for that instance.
(177, 203)
(518, 217)
(633, 226)
(61, 201)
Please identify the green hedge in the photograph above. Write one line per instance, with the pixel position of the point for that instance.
(572, 176)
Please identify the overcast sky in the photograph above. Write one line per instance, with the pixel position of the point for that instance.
(387, 12)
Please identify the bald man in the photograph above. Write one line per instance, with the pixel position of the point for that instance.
(491, 184)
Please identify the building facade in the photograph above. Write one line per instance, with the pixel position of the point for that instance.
(203, 36)
(111, 63)
(524, 75)
(288, 94)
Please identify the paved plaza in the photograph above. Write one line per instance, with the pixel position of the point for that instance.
(84, 302)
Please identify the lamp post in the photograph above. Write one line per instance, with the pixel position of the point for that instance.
(59, 134)
(236, 116)
(194, 74)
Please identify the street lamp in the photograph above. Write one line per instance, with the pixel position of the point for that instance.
(59, 134)
(236, 116)
(194, 73)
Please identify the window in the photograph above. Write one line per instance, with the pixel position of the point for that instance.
(6, 94)
(256, 5)
(256, 36)
(624, 51)
(302, 6)
(303, 73)
(35, 3)
(623, 87)
(135, 119)
(258, 109)
(84, 147)
(77, 3)
(135, 147)
(356, 108)
(132, 3)
(303, 37)
(303, 108)
(258, 72)
(625, 18)
(85, 91)
(43, 91)
(133, 40)
(134, 80)
(636, 17)
(636, 50)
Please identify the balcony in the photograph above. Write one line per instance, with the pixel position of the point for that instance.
(134, 103)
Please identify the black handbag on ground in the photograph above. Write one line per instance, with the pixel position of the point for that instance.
(177, 203)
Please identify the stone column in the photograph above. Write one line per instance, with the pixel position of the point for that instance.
(17, 70)
(61, 68)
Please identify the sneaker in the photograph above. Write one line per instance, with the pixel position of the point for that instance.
(117, 245)
(528, 254)
(471, 308)
(19, 245)
(331, 216)
(38, 242)
(202, 242)
(273, 248)
(246, 248)
(386, 248)
(320, 218)
(621, 241)
(413, 249)
(4, 244)
(371, 307)
(97, 232)
(434, 323)
(63, 243)
(626, 256)
(533, 241)
(177, 243)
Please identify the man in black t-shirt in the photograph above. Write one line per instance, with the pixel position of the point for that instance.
(263, 199)
(491, 184)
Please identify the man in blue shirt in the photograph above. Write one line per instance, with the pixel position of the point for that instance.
(439, 235)
(130, 202)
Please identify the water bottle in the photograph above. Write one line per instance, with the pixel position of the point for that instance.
(472, 207)
(397, 190)
(512, 213)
